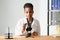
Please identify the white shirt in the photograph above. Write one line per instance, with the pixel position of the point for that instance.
(35, 26)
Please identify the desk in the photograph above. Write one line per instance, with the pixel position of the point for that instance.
(35, 38)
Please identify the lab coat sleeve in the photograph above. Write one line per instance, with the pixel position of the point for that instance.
(18, 28)
(36, 27)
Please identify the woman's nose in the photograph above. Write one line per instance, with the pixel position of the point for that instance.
(28, 13)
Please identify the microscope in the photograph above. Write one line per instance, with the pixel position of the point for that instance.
(28, 31)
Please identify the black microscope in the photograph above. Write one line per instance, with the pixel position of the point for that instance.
(28, 31)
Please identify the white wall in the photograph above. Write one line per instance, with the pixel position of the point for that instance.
(11, 11)
(43, 16)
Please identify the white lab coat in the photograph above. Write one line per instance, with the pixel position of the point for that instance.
(35, 26)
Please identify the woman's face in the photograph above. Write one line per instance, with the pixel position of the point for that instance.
(28, 12)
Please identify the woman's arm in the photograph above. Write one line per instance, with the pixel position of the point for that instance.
(36, 28)
(23, 29)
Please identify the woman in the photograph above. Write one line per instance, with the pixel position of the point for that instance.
(22, 24)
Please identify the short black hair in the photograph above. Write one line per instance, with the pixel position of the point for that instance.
(29, 5)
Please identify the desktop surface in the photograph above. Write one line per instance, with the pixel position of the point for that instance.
(30, 38)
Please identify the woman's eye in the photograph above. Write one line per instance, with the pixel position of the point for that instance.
(29, 12)
(26, 12)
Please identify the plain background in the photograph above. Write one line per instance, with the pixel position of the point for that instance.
(12, 10)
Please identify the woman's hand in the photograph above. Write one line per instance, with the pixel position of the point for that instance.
(35, 34)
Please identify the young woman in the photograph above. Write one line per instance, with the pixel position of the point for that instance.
(22, 24)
